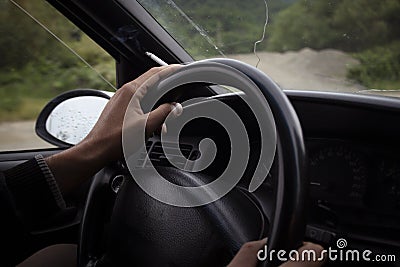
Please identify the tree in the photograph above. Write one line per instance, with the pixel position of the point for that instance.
(19, 49)
(346, 25)
(232, 26)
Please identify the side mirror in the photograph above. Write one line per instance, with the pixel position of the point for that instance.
(68, 118)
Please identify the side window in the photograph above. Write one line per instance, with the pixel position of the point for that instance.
(42, 55)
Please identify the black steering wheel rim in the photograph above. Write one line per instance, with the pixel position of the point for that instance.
(288, 225)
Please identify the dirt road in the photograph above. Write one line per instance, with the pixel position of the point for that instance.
(304, 69)
(20, 135)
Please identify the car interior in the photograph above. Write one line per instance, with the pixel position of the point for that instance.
(335, 174)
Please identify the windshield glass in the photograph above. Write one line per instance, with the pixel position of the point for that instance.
(337, 45)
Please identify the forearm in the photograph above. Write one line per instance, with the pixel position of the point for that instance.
(75, 165)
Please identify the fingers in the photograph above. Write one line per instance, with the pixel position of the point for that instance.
(157, 117)
(247, 255)
(164, 70)
(149, 78)
(308, 246)
(135, 90)
(177, 110)
(140, 85)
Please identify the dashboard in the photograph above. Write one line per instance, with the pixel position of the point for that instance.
(355, 189)
(352, 144)
(353, 166)
(356, 175)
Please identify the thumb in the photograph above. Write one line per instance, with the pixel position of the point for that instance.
(157, 117)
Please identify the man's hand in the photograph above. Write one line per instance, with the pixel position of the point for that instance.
(106, 134)
(103, 144)
(247, 255)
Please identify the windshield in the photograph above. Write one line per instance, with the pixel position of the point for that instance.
(336, 45)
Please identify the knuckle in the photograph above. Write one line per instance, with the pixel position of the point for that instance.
(129, 87)
(156, 68)
(134, 85)
(315, 247)
(249, 246)
(318, 248)
(155, 77)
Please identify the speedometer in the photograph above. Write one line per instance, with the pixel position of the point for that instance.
(338, 175)
(387, 192)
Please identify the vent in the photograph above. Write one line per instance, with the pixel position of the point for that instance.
(143, 155)
(161, 156)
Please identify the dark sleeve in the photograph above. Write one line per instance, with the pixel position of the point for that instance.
(28, 195)
(34, 190)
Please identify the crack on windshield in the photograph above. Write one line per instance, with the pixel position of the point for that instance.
(63, 43)
(197, 27)
(263, 34)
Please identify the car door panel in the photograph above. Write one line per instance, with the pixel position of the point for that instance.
(64, 227)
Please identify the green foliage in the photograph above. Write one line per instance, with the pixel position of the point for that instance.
(44, 80)
(22, 41)
(361, 26)
(301, 26)
(345, 25)
(379, 68)
(232, 26)
(36, 67)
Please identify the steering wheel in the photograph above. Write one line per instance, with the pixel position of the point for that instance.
(146, 232)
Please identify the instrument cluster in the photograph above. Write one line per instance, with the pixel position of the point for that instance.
(357, 176)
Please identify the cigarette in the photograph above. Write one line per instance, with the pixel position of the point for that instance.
(156, 59)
